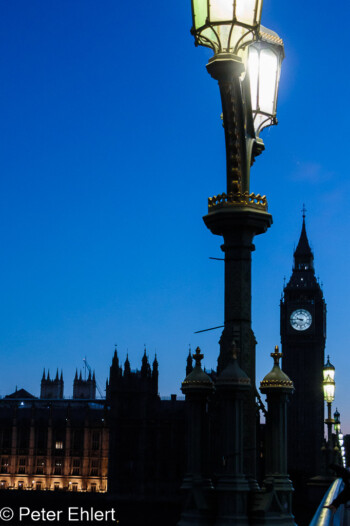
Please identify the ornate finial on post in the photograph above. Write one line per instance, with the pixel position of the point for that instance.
(198, 357)
(276, 356)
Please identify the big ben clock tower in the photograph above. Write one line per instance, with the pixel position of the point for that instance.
(303, 337)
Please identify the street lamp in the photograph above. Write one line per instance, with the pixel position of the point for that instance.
(246, 63)
(336, 416)
(328, 391)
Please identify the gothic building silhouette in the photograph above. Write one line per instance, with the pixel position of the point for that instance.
(136, 446)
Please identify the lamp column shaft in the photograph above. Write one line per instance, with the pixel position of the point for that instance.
(196, 481)
(237, 221)
(276, 459)
(329, 431)
(232, 487)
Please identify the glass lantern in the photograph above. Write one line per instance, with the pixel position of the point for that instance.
(329, 389)
(328, 370)
(336, 421)
(225, 26)
(264, 68)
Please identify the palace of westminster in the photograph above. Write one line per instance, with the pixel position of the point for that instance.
(134, 444)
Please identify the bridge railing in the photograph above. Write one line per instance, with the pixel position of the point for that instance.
(325, 517)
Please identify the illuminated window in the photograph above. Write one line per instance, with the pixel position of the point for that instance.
(59, 444)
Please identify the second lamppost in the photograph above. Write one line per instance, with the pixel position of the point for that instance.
(246, 63)
(328, 391)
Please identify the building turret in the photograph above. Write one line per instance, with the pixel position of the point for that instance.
(145, 367)
(127, 369)
(189, 366)
(84, 389)
(52, 389)
(155, 372)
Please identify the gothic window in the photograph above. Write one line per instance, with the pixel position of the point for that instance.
(41, 438)
(76, 466)
(95, 465)
(78, 442)
(58, 468)
(95, 440)
(5, 438)
(23, 438)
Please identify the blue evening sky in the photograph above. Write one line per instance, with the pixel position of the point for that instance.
(110, 144)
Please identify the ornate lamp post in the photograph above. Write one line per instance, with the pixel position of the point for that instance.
(336, 416)
(278, 388)
(328, 392)
(246, 63)
(197, 387)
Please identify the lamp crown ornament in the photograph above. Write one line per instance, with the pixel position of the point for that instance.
(198, 357)
(276, 355)
(276, 378)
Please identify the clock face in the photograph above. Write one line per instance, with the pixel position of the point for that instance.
(300, 320)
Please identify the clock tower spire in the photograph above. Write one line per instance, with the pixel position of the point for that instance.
(303, 337)
(303, 256)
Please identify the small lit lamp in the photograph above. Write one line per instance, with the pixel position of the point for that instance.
(336, 416)
(328, 370)
(328, 392)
